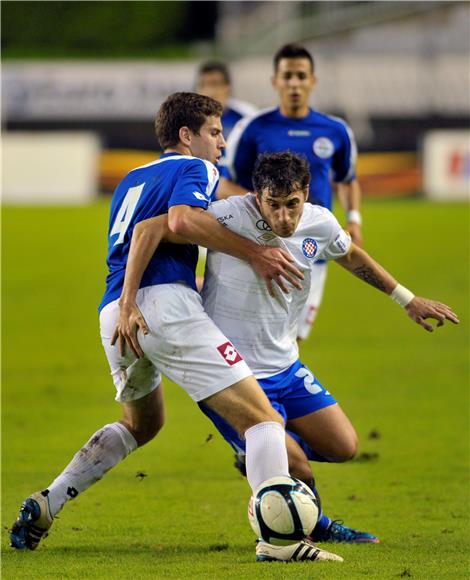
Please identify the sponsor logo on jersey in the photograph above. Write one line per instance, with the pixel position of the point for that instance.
(224, 219)
(323, 147)
(229, 353)
(342, 241)
(266, 237)
(199, 195)
(309, 247)
(263, 226)
(298, 133)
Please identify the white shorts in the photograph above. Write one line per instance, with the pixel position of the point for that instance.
(183, 344)
(310, 310)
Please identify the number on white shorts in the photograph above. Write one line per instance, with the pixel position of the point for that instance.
(126, 212)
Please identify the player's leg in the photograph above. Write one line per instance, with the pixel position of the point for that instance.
(104, 450)
(142, 419)
(313, 413)
(324, 433)
(310, 310)
(299, 467)
(328, 432)
(244, 406)
(189, 348)
(145, 417)
(138, 385)
(326, 529)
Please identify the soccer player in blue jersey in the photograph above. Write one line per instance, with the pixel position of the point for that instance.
(182, 342)
(327, 142)
(214, 80)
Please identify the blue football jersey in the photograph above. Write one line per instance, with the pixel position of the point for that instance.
(147, 192)
(327, 142)
(233, 112)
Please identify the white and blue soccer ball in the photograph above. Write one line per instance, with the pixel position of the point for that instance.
(283, 510)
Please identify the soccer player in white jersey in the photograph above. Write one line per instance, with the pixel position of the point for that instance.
(327, 142)
(182, 342)
(263, 328)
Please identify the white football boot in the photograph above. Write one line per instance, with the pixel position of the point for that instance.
(302, 551)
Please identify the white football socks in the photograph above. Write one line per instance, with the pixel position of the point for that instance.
(106, 448)
(266, 453)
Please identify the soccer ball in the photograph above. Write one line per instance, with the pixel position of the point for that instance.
(283, 510)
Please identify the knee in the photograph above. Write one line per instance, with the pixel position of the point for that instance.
(345, 450)
(145, 431)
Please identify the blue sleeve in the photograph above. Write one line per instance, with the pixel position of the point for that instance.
(242, 153)
(195, 184)
(224, 172)
(344, 158)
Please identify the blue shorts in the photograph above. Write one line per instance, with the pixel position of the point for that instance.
(293, 393)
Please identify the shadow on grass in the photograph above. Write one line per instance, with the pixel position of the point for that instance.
(135, 549)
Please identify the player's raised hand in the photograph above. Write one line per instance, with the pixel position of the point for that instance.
(276, 265)
(130, 320)
(419, 309)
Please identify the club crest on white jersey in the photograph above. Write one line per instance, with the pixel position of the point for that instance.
(309, 247)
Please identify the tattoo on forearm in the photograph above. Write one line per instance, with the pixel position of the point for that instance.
(368, 275)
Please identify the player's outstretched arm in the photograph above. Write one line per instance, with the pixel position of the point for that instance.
(202, 228)
(359, 263)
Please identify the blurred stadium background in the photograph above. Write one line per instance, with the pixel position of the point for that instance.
(83, 80)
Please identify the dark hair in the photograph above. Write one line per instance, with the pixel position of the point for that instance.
(215, 66)
(292, 50)
(281, 173)
(183, 110)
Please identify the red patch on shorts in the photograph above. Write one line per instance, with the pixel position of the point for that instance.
(310, 315)
(229, 353)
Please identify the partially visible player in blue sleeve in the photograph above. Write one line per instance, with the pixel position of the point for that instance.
(214, 80)
(327, 142)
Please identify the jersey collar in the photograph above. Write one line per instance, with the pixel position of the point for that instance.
(294, 119)
(170, 154)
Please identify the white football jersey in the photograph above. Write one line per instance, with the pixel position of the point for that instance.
(263, 328)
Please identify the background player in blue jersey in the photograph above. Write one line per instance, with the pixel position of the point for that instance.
(260, 327)
(182, 342)
(214, 80)
(327, 142)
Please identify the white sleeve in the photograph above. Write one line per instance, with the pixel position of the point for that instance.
(228, 213)
(339, 241)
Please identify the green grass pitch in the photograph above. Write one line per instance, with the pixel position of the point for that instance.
(184, 517)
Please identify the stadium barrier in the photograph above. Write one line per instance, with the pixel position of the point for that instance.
(380, 174)
(50, 168)
(446, 165)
